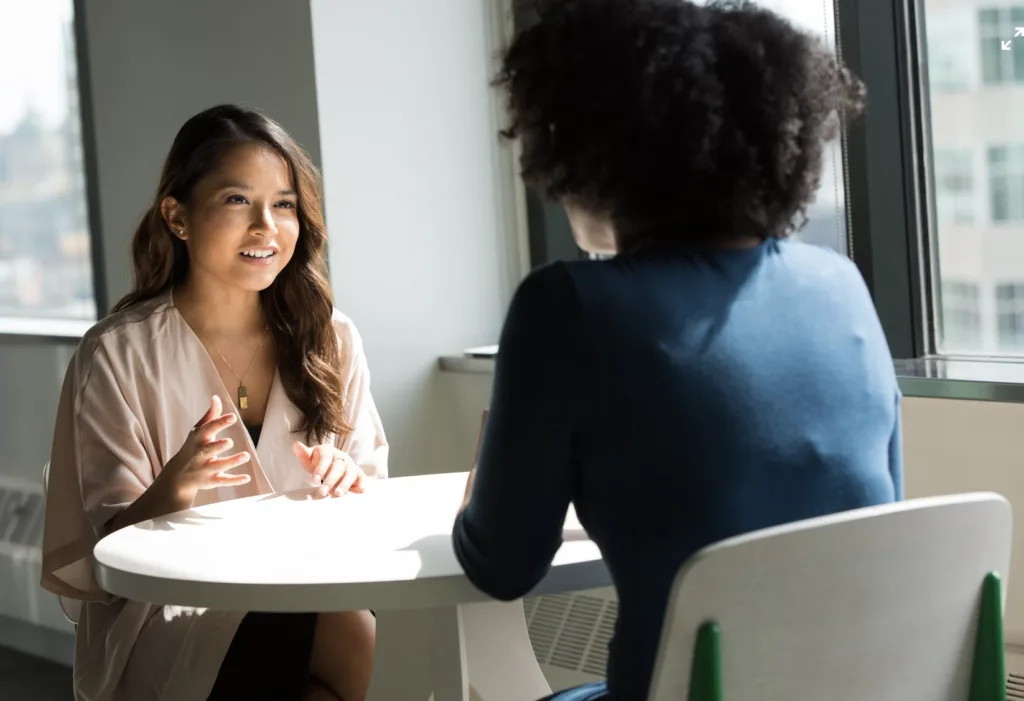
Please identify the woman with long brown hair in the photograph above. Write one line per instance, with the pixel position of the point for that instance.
(226, 372)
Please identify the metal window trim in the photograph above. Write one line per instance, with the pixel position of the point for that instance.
(89, 158)
(889, 153)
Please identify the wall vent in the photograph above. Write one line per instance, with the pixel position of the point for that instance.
(571, 631)
(21, 517)
(1015, 687)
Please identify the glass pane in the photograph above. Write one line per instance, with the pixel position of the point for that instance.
(826, 216)
(991, 61)
(961, 315)
(989, 19)
(978, 174)
(1018, 62)
(45, 260)
(1000, 201)
(997, 156)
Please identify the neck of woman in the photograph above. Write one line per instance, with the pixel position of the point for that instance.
(219, 310)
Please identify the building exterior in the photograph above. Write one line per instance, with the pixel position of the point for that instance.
(45, 259)
(977, 105)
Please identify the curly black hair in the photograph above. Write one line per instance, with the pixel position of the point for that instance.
(684, 123)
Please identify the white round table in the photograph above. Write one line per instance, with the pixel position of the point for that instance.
(388, 550)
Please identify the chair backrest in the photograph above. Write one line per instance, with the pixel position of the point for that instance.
(72, 608)
(880, 603)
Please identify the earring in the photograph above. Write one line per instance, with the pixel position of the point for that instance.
(181, 234)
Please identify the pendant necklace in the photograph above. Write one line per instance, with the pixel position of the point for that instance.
(243, 393)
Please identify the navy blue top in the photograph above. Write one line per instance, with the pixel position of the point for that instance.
(677, 400)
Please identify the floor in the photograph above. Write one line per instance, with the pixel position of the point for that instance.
(24, 678)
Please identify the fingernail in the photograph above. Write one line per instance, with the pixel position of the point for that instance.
(317, 481)
(246, 458)
(324, 490)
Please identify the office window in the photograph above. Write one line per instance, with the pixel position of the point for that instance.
(1006, 183)
(995, 26)
(45, 250)
(961, 316)
(949, 53)
(954, 186)
(826, 216)
(1010, 316)
(549, 232)
(977, 160)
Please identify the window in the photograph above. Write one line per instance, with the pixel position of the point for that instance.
(949, 52)
(976, 242)
(1010, 316)
(996, 25)
(1006, 183)
(45, 249)
(961, 316)
(954, 186)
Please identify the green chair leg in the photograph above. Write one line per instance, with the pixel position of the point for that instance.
(988, 672)
(706, 672)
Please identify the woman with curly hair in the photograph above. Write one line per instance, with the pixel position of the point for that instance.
(226, 372)
(714, 377)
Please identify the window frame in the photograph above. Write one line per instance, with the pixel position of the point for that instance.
(34, 328)
(90, 158)
(889, 189)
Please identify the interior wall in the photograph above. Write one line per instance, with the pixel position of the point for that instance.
(423, 250)
(963, 446)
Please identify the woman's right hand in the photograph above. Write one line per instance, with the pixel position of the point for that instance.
(198, 465)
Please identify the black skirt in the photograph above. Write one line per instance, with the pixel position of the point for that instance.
(268, 659)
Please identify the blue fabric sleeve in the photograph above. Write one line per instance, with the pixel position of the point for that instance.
(509, 534)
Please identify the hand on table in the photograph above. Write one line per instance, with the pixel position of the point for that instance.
(333, 471)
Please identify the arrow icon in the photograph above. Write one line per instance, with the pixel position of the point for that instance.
(1018, 31)
(1006, 45)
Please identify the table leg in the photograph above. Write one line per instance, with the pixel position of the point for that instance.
(419, 652)
(441, 651)
(502, 665)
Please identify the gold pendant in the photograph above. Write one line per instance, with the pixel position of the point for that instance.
(243, 397)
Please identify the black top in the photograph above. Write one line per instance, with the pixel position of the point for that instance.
(254, 433)
(676, 401)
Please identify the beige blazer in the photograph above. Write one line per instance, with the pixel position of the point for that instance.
(136, 386)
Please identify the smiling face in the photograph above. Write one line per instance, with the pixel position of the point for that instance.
(241, 224)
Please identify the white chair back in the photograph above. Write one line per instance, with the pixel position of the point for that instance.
(72, 608)
(879, 603)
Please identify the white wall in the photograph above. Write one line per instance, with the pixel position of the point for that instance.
(961, 446)
(423, 255)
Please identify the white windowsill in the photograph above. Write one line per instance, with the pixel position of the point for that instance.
(57, 329)
(473, 361)
(978, 379)
(466, 365)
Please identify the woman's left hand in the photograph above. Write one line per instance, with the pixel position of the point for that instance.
(333, 471)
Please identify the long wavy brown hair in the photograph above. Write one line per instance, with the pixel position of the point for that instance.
(298, 306)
